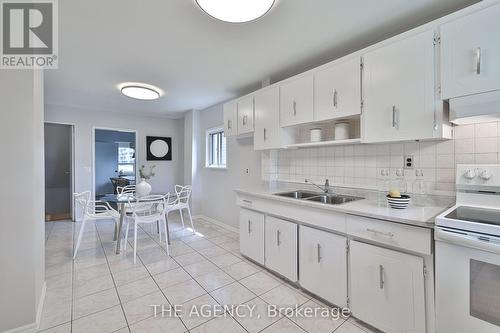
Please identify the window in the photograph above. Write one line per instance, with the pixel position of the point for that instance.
(126, 159)
(216, 148)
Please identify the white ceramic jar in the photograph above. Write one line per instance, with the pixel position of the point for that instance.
(316, 134)
(342, 130)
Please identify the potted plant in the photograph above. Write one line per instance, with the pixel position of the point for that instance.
(144, 188)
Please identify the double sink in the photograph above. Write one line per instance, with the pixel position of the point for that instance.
(330, 199)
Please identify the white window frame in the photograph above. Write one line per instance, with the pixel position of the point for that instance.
(208, 153)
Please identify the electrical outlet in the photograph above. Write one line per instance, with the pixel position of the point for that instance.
(408, 162)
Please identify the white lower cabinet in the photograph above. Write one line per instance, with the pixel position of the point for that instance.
(387, 288)
(323, 264)
(252, 235)
(281, 247)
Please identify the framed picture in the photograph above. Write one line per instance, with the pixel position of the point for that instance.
(158, 148)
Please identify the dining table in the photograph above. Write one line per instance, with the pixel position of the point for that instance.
(120, 201)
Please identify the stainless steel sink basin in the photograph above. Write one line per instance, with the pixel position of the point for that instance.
(298, 194)
(330, 199)
(335, 199)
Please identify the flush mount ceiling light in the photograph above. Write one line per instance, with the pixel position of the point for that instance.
(236, 11)
(140, 91)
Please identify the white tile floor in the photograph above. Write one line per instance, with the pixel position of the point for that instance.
(104, 292)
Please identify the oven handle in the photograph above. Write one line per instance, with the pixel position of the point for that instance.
(485, 243)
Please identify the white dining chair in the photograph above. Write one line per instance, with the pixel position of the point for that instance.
(129, 189)
(93, 210)
(146, 210)
(180, 203)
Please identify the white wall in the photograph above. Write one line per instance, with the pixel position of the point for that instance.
(217, 199)
(22, 248)
(168, 173)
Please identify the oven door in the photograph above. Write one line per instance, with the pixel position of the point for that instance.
(467, 282)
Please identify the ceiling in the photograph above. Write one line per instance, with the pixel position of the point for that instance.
(200, 61)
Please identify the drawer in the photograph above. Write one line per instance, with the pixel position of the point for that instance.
(402, 236)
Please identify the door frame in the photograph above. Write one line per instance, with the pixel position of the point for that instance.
(94, 128)
(73, 159)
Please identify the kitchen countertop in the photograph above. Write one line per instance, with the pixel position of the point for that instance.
(421, 211)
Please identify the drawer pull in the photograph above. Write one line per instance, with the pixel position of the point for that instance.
(248, 202)
(319, 253)
(381, 233)
(381, 276)
(278, 241)
(249, 226)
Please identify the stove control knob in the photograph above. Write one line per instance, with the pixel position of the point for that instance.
(485, 175)
(470, 174)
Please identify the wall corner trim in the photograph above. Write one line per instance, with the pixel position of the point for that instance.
(32, 327)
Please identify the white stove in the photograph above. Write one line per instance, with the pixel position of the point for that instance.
(468, 254)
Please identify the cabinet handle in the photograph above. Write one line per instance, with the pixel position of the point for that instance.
(319, 253)
(248, 202)
(249, 226)
(294, 108)
(381, 276)
(278, 241)
(478, 60)
(395, 117)
(244, 120)
(229, 124)
(381, 233)
(265, 134)
(335, 102)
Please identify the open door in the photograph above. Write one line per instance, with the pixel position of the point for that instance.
(58, 171)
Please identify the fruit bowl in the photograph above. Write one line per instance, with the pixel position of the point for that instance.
(398, 202)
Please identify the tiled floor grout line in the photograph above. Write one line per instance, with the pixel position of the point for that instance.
(207, 292)
(151, 275)
(112, 277)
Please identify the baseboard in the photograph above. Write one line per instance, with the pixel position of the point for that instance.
(33, 327)
(216, 222)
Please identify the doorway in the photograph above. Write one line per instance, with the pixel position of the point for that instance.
(114, 160)
(58, 171)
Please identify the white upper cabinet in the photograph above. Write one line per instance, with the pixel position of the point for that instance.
(387, 288)
(323, 264)
(230, 111)
(267, 133)
(337, 90)
(296, 101)
(245, 115)
(470, 54)
(399, 90)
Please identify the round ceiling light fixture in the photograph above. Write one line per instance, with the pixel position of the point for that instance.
(140, 91)
(236, 11)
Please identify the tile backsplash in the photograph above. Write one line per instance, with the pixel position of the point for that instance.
(361, 165)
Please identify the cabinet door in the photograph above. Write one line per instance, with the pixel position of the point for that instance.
(337, 90)
(296, 101)
(387, 288)
(245, 115)
(323, 264)
(281, 247)
(230, 111)
(267, 119)
(399, 91)
(252, 235)
(470, 54)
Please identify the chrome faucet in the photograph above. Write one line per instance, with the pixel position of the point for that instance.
(325, 188)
